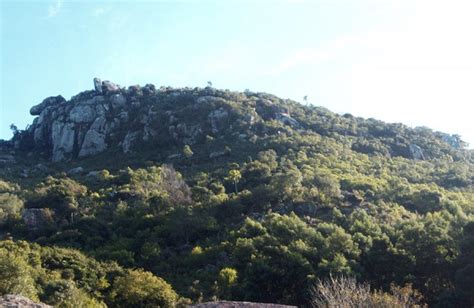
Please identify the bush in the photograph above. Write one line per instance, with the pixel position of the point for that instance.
(345, 292)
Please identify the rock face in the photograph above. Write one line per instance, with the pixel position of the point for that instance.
(79, 127)
(453, 140)
(227, 304)
(416, 152)
(114, 117)
(217, 119)
(48, 102)
(18, 301)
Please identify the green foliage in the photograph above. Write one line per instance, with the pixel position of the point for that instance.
(10, 209)
(138, 288)
(67, 278)
(259, 210)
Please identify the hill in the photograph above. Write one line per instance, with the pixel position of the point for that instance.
(239, 196)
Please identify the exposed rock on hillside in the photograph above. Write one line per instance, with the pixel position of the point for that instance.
(129, 119)
(18, 301)
(227, 304)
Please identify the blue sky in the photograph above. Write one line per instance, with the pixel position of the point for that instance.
(399, 61)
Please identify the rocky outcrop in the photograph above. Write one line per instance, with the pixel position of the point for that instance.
(228, 304)
(18, 301)
(286, 119)
(48, 102)
(453, 140)
(114, 117)
(129, 140)
(416, 152)
(217, 119)
(79, 127)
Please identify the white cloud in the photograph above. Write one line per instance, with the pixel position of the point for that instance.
(54, 8)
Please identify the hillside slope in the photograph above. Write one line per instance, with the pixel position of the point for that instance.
(242, 196)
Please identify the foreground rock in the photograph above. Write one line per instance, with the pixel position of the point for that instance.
(226, 304)
(18, 301)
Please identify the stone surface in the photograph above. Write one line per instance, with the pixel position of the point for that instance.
(82, 113)
(416, 152)
(18, 301)
(98, 85)
(286, 119)
(62, 136)
(75, 171)
(118, 101)
(50, 101)
(94, 140)
(109, 87)
(217, 119)
(228, 304)
(129, 140)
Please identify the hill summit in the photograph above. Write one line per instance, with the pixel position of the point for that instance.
(114, 117)
(146, 196)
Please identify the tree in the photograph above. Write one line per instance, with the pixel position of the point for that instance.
(464, 278)
(234, 176)
(226, 281)
(188, 153)
(138, 288)
(14, 129)
(15, 276)
(345, 292)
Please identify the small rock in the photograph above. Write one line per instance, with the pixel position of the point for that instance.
(75, 171)
(217, 154)
(175, 156)
(24, 173)
(41, 167)
(98, 85)
(93, 174)
(286, 119)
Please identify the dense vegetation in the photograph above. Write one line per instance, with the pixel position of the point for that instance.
(283, 205)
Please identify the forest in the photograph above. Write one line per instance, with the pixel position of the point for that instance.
(265, 204)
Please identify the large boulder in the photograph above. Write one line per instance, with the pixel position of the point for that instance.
(109, 87)
(286, 119)
(50, 101)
